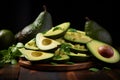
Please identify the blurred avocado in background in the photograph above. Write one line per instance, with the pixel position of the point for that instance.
(15, 15)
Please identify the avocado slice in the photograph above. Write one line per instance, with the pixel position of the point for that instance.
(77, 36)
(44, 43)
(58, 30)
(61, 58)
(78, 57)
(103, 51)
(96, 31)
(32, 55)
(42, 23)
(78, 48)
(31, 45)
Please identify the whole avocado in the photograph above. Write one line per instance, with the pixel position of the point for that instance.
(6, 38)
(41, 24)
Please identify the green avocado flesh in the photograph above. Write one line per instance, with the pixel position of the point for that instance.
(94, 45)
(31, 45)
(57, 31)
(77, 36)
(44, 43)
(35, 55)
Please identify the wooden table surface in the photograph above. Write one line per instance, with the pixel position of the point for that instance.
(16, 72)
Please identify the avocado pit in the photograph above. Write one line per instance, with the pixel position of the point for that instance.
(46, 41)
(106, 51)
(36, 54)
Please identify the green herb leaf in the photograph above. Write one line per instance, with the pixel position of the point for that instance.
(56, 28)
(94, 69)
(72, 30)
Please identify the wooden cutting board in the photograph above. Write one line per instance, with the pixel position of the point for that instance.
(57, 67)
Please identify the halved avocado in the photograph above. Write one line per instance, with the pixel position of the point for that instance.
(32, 55)
(57, 31)
(78, 57)
(103, 51)
(44, 43)
(77, 36)
(31, 45)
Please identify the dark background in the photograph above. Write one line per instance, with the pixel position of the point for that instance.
(16, 14)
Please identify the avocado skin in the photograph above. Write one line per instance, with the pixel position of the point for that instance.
(96, 31)
(42, 23)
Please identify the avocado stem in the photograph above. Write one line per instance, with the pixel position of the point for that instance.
(45, 8)
(87, 18)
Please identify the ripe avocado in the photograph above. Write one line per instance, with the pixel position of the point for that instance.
(42, 23)
(61, 59)
(31, 45)
(103, 51)
(44, 43)
(57, 31)
(32, 55)
(6, 38)
(78, 57)
(77, 36)
(96, 31)
(77, 48)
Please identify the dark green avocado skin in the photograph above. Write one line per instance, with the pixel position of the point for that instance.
(97, 32)
(42, 23)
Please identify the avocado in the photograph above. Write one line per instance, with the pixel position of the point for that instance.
(61, 59)
(41, 24)
(77, 36)
(32, 55)
(57, 31)
(31, 45)
(78, 57)
(96, 31)
(60, 56)
(44, 43)
(79, 48)
(6, 38)
(103, 51)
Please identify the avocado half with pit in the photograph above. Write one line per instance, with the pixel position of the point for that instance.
(103, 51)
(78, 57)
(57, 31)
(44, 43)
(77, 36)
(31, 45)
(32, 55)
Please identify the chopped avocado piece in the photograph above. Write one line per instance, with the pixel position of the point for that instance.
(77, 36)
(78, 57)
(96, 31)
(35, 55)
(44, 43)
(103, 51)
(57, 31)
(31, 45)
